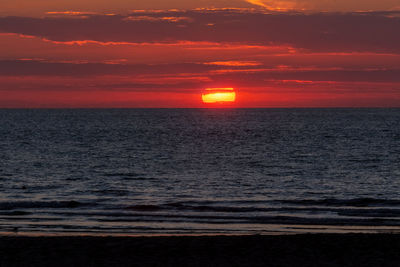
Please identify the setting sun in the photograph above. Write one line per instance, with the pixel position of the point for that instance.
(219, 95)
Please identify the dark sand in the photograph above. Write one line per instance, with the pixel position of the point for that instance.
(290, 250)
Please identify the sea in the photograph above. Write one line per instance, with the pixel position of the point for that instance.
(199, 171)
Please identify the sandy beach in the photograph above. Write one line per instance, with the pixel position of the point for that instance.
(284, 250)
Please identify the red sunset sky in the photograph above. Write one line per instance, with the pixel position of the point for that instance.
(289, 53)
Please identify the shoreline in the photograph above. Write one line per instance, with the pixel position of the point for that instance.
(215, 250)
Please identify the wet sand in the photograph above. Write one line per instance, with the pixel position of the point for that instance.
(283, 250)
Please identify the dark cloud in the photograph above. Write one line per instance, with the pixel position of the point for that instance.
(42, 68)
(322, 32)
(255, 79)
(184, 75)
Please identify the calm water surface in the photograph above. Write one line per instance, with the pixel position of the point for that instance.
(155, 171)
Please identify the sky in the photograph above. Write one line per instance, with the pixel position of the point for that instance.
(157, 53)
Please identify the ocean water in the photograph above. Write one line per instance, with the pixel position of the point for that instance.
(199, 171)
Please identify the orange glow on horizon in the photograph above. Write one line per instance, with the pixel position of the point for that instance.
(219, 95)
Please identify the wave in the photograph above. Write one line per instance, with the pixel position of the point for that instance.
(246, 206)
(223, 219)
(349, 210)
(344, 207)
(357, 202)
(40, 204)
(199, 208)
(15, 213)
